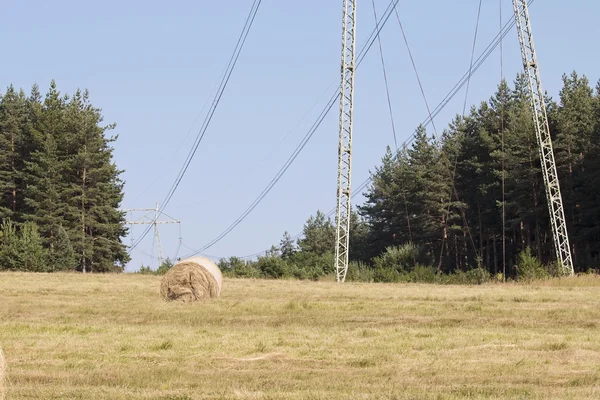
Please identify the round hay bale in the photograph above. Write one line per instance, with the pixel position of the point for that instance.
(2, 370)
(192, 279)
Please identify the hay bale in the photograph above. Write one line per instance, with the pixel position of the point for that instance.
(2, 371)
(192, 279)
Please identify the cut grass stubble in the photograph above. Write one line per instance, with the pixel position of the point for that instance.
(112, 337)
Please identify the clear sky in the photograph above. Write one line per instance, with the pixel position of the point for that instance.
(151, 66)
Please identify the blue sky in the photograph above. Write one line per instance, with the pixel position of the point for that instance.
(151, 66)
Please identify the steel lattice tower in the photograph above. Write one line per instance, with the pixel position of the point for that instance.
(152, 218)
(345, 143)
(542, 130)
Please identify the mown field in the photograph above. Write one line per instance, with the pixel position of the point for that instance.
(68, 336)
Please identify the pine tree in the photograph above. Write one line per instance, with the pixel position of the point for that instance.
(359, 236)
(60, 256)
(12, 155)
(73, 185)
(319, 235)
(380, 207)
(287, 246)
(10, 251)
(32, 253)
(95, 190)
(575, 128)
(430, 189)
(46, 169)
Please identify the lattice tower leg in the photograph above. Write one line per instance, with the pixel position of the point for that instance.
(542, 130)
(345, 141)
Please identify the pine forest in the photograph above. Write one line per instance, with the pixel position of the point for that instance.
(60, 187)
(467, 201)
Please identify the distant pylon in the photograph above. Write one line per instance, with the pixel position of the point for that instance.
(151, 217)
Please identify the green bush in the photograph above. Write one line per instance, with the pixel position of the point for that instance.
(315, 264)
(145, 270)
(164, 267)
(529, 268)
(60, 255)
(10, 252)
(384, 275)
(422, 274)
(32, 252)
(475, 276)
(478, 276)
(22, 249)
(245, 271)
(273, 267)
(359, 272)
(397, 258)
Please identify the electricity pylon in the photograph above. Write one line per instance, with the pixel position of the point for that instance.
(344, 175)
(542, 130)
(151, 217)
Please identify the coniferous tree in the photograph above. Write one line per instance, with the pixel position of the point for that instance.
(319, 235)
(57, 172)
(12, 154)
(10, 246)
(287, 246)
(32, 255)
(95, 190)
(61, 256)
(45, 191)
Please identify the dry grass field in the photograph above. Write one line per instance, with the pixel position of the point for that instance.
(68, 336)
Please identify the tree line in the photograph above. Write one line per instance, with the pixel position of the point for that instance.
(467, 202)
(60, 190)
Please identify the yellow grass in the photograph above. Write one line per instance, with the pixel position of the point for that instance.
(68, 336)
(2, 368)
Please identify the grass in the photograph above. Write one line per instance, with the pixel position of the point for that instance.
(68, 336)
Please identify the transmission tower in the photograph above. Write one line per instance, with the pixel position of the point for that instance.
(542, 130)
(345, 144)
(151, 217)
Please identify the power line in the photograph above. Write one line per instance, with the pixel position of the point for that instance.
(385, 78)
(458, 86)
(412, 60)
(217, 99)
(453, 190)
(307, 137)
(278, 145)
(472, 55)
(183, 141)
(496, 41)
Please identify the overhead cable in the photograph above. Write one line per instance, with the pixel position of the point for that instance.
(217, 99)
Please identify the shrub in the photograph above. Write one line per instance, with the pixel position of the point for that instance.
(359, 272)
(397, 258)
(33, 254)
(10, 252)
(60, 255)
(145, 270)
(244, 271)
(316, 264)
(422, 274)
(478, 276)
(164, 267)
(475, 276)
(21, 249)
(529, 267)
(273, 267)
(384, 275)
